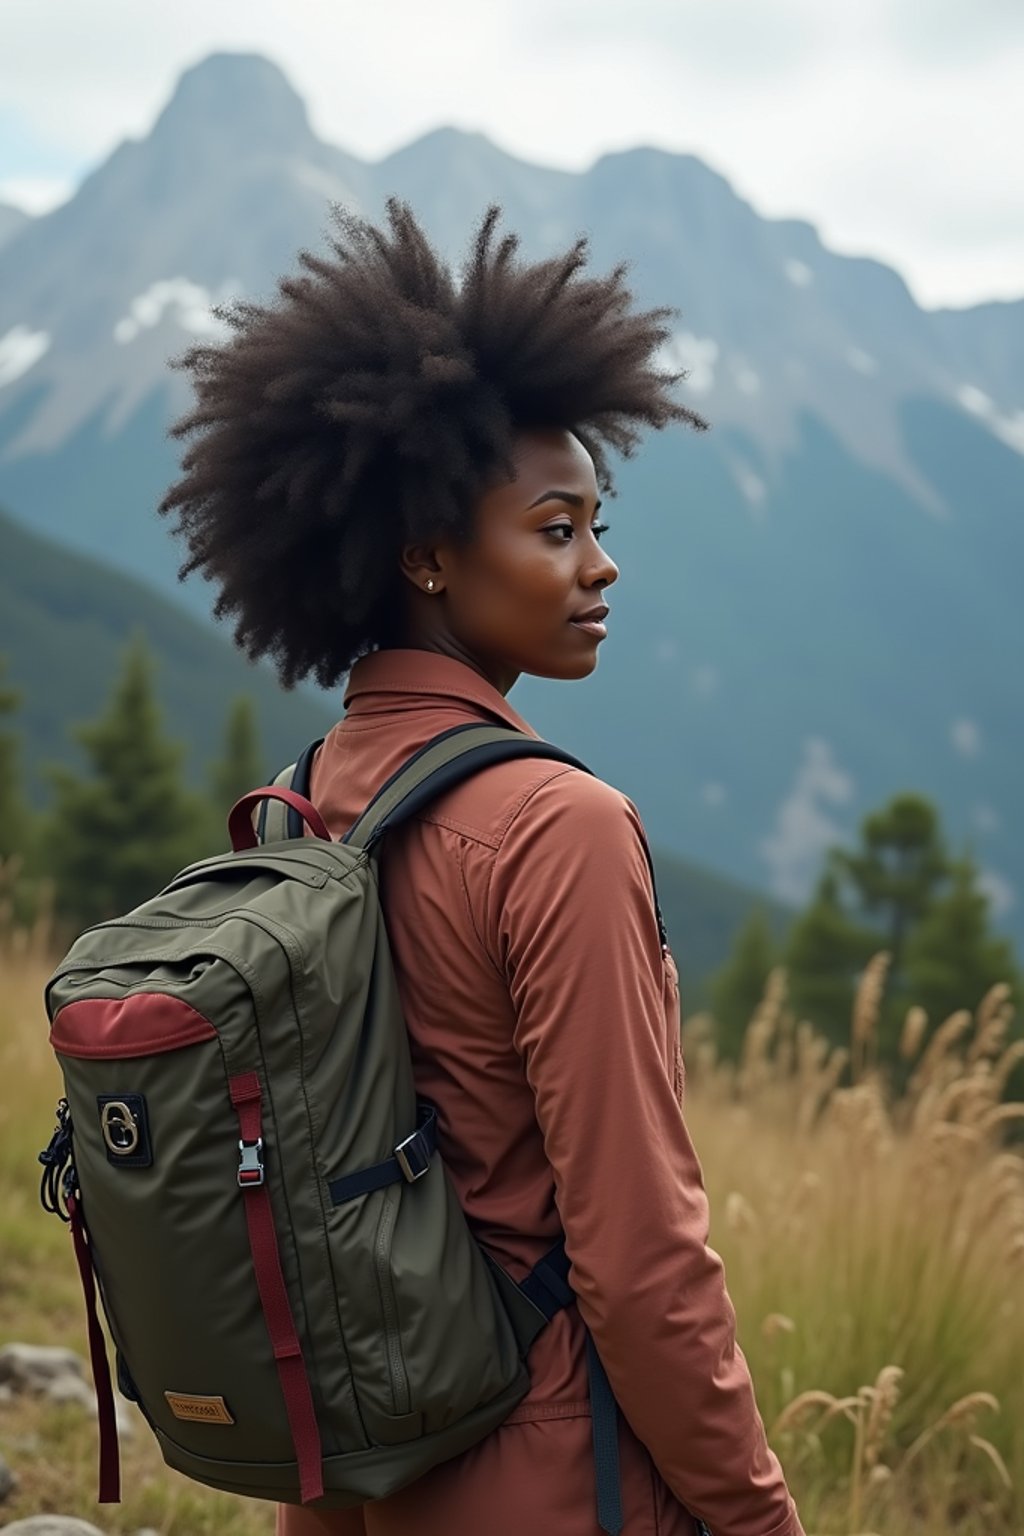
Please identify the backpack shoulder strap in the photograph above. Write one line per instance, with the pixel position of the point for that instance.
(440, 764)
(443, 762)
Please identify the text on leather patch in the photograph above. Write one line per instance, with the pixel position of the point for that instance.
(206, 1410)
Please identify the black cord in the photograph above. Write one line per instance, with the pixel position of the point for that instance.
(59, 1179)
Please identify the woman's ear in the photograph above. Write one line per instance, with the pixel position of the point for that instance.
(420, 566)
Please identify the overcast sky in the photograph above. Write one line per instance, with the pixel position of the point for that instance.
(895, 126)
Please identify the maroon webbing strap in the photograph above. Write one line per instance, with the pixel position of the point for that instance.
(266, 1261)
(241, 830)
(110, 1470)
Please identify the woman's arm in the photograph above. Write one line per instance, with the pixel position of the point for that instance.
(571, 919)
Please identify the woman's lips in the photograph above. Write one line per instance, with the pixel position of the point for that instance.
(591, 627)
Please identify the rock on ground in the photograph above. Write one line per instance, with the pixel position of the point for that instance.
(58, 1374)
(34, 1367)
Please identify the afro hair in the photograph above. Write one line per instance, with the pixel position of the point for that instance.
(372, 403)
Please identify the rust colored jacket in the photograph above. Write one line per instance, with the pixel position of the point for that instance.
(544, 1022)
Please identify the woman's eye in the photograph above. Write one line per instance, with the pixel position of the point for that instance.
(597, 529)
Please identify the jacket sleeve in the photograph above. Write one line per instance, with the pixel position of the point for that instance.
(571, 919)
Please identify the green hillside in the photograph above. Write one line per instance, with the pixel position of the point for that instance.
(64, 621)
(702, 913)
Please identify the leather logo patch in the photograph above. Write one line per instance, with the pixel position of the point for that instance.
(202, 1410)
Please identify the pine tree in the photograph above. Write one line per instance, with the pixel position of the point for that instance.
(824, 954)
(115, 837)
(952, 958)
(12, 811)
(897, 870)
(240, 768)
(738, 987)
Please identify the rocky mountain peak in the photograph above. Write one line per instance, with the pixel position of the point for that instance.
(234, 100)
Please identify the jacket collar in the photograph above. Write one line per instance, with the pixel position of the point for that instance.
(400, 678)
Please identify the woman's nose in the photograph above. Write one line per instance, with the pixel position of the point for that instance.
(605, 572)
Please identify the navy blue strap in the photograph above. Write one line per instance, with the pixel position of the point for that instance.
(604, 1418)
(300, 783)
(410, 1162)
(547, 1286)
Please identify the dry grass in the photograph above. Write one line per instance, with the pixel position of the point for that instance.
(874, 1250)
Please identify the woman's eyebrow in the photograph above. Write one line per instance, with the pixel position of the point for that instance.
(569, 496)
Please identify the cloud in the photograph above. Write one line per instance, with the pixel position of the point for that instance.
(803, 829)
(733, 37)
(949, 33)
(36, 194)
(886, 125)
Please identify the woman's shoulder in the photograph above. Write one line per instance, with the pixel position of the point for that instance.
(560, 789)
(562, 812)
(517, 797)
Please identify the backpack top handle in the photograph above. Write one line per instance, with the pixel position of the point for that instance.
(241, 830)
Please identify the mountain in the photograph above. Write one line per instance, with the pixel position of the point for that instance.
(64, 622)
(819, 600)
(12, 221)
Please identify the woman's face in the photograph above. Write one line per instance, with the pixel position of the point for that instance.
(505, 603)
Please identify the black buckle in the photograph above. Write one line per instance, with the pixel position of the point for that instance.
(250, 1163)
(413, 1156)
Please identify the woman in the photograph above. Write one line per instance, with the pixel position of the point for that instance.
(397, 479)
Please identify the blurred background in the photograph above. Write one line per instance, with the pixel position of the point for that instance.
(813, 689)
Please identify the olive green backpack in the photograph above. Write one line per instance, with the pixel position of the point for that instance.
(296, 1301)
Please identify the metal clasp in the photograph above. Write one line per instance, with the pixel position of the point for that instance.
(250, 1163)
(413, 1143)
